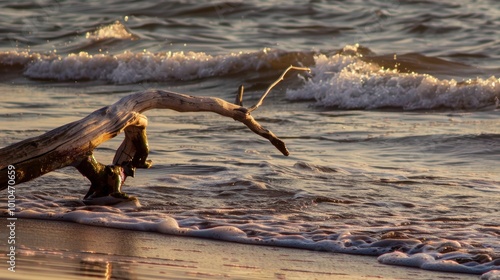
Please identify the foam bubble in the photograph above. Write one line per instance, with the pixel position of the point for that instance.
(492, 275)
(169, 225)
(228, 233)
(435, 262)
(399, 258)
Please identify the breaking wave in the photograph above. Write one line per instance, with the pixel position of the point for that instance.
(349, 79)
(129, 67)
(350, 82)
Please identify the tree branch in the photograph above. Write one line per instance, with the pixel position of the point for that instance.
(251, 109)
(73, 143)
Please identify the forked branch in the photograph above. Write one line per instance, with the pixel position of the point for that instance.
(251, 109)
(73, 143)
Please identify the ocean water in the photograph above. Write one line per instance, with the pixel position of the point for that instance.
(393, 135)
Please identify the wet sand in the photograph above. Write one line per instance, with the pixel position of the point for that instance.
(61, 250)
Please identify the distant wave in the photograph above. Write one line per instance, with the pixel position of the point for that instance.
(350, 82)
(130, 67)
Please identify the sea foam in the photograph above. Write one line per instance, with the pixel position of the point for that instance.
(403, 252)
(435, 262)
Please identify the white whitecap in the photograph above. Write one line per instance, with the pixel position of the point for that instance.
(115, 30)
(348, 82)
(132, 67)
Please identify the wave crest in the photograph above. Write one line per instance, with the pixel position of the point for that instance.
(348, 82)
(115, 30)
(129, 67)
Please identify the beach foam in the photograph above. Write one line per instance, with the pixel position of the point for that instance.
(396, 251)
(436, 262)
(492, 275)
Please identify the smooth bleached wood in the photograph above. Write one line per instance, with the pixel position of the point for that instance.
(73, 144)
(70, 143)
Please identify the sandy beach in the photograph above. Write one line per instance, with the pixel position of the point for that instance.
(61, 250)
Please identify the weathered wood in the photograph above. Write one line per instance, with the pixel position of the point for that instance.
(104, 179)
(72, 142)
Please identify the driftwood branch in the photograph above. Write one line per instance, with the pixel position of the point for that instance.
(251, 109)
(72, 144)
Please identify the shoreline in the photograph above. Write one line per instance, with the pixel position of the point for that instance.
(47, 249)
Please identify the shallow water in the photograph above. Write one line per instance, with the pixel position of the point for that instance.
(393, 135)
